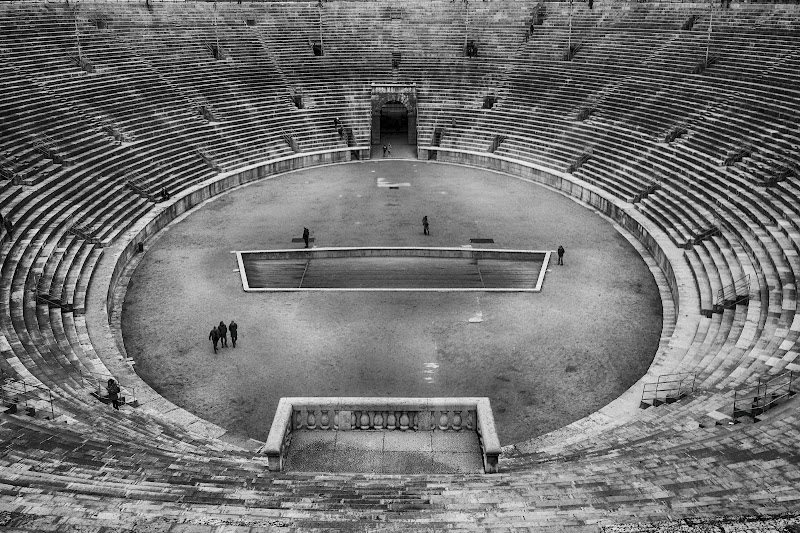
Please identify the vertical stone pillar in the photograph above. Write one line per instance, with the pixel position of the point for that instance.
(376, 127)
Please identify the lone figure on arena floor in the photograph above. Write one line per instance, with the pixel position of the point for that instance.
(425, 230)
(560, 252)
(305, 236)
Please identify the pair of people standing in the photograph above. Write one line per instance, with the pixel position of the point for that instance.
(387, 149)
(220, 334)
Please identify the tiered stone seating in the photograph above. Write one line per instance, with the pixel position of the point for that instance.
(161, 108)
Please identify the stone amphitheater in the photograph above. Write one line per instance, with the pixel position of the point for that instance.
(678, 121)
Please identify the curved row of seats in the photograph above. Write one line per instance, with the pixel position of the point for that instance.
(161, 108)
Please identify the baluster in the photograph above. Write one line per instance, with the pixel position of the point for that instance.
(443, 420)
(311, 420)
(457, 421)
(404, 421)
(391, 420)
(378, 420)
(324, 420)
(364, 424)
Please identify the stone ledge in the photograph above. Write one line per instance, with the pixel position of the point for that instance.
(283, 423)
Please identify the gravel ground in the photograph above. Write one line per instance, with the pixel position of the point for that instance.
(543, 359)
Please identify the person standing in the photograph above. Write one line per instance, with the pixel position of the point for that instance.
(113, 393)
(384, 150)
(234, 329)
(223, 334)
(214, 336)
(389, 149)
(560, 252)
(425, 230)
(306, 233)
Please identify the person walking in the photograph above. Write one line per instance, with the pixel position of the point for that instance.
(234, 329)
(214, 336)
(223, 334)
(384, 150)
(306, 233)
(389, 149)
(425, 230)
(560, 252)
(113, 393)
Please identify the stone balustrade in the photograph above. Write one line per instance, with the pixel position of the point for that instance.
(382, 414)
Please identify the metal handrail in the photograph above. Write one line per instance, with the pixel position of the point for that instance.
(679, 383)
(18, 386)
(758, 401)
(99, 387)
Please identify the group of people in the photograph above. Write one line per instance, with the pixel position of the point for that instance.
(220, 334)
(387, 149)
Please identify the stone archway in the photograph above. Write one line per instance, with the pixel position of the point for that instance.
(383, 94)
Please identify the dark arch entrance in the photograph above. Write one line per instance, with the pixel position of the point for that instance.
(394, 113)
(394, 124)
(394, 118)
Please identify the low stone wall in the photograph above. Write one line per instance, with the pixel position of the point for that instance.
(382, 414)
(381, 251)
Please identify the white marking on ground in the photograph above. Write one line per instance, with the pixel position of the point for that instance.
(236, 270)
(383, 183)
(478, 317)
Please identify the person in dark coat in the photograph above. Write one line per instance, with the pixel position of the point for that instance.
(234, 329)
(305, 236)
(425, 230)
(214, 336)
(560, 252)
(223, 333)
(113, 393)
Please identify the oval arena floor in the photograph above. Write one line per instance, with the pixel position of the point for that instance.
(544, 359)
(676, 121)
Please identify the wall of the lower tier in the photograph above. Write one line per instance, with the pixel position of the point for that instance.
(619, 211)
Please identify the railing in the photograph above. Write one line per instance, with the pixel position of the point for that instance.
(14, 391)
(207, 157)
(737, 292)
(582, 159)
(765, 396)
(382, 414)
(48, 296)
(76, 226)
(139, 186)
(668, 389)
(652, 187)
(99, 382)
(48, 147)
